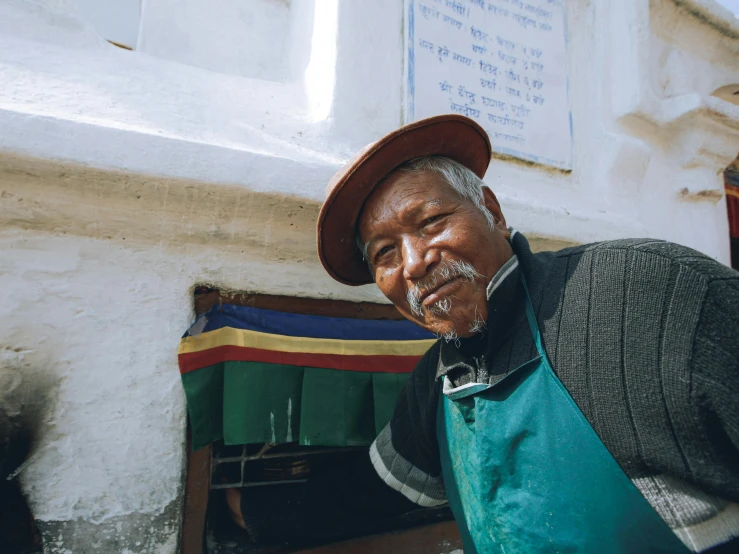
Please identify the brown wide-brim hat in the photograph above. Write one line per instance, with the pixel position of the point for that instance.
(451, 136)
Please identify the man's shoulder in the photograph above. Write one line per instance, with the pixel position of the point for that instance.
(429, 362)
(421, 382)
(648, 246)
(645, 248)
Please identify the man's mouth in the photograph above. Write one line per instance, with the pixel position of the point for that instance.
(432, 296)
(434, 292)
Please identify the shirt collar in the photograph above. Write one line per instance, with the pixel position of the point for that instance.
(503, 273)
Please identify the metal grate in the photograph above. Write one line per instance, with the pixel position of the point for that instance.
(257, 465)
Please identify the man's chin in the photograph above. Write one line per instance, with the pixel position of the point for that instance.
(444, 326)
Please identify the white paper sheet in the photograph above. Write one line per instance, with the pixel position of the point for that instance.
(502, 63)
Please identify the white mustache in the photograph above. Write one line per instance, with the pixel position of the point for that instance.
(443, 273)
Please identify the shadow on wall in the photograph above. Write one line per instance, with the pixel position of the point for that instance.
(21, 415)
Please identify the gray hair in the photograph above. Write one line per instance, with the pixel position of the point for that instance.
(462, 179)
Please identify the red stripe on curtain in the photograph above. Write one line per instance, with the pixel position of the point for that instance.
(379, 364)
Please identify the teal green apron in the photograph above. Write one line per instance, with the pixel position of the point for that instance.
(525, 472)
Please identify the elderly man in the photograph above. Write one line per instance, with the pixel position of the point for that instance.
(585, 400)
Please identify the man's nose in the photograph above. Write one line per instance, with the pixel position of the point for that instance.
(417, 258)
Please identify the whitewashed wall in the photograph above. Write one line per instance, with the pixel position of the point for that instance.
(126, 177)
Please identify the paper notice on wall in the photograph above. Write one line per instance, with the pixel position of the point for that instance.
(502, 63)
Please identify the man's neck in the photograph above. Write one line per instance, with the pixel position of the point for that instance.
(505, 296)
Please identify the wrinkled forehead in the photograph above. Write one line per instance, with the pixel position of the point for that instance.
(399, 191)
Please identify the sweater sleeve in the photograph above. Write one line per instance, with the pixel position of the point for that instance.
(406, 453)
(715, 382)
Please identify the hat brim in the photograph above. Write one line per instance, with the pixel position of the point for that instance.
(452, 136)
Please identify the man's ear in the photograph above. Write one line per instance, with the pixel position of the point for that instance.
(492, 204)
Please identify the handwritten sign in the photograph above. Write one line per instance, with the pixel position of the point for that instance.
(502, 63)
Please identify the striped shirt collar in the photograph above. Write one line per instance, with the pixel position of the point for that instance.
(505, 271)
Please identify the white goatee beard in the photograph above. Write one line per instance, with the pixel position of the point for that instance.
(443, 273)
(478, 323)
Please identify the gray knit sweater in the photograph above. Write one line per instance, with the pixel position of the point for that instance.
(644, 335)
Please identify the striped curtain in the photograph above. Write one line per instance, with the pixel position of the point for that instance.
(256, 376)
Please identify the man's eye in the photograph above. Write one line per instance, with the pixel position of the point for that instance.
(382, 251)
(432, 219)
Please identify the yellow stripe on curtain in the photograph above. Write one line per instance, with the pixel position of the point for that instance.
(228, 336)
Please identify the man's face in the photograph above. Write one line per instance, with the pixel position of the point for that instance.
(432, 252)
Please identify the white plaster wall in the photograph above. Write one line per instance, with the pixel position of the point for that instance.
(74, 302)
(128, 177)
(116, 20)
(731, 5)
(53, 21)
(251, 39)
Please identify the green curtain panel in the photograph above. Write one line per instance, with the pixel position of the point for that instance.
(256, 402)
